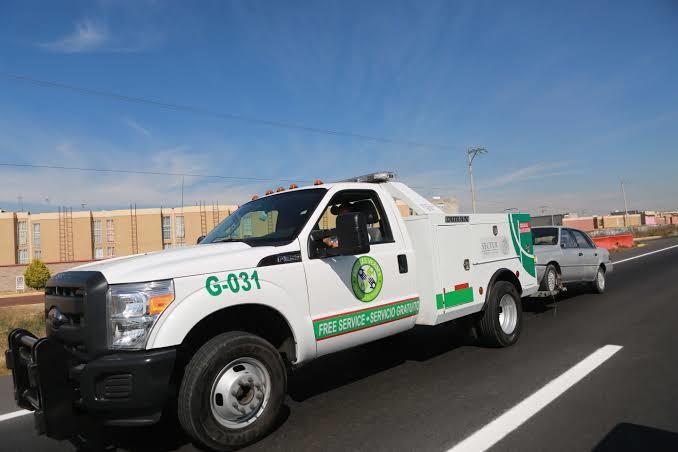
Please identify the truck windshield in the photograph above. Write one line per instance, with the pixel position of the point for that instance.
(272, 220)
(545, 236)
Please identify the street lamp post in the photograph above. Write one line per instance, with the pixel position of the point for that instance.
(471, 154)
(626, 206)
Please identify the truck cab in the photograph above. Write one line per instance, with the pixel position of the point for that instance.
(288, 277)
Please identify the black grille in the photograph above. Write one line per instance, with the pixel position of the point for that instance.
(77, 300)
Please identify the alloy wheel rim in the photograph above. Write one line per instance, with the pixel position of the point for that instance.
(600, 277)
(551, 281)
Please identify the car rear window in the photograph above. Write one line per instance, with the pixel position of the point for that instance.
(545, 236)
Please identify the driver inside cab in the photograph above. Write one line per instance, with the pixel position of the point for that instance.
(333, 241)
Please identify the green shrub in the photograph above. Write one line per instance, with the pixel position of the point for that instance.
(36, 275)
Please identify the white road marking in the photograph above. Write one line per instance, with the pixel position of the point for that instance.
(643, 255)
(12, 415)
(493, 432)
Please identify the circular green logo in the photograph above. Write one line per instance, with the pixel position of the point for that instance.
(366, 279)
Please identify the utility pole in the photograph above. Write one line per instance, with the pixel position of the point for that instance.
(543, 210)
(471, 153)
(626, 206)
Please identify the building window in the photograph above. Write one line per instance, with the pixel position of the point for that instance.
(167, 246)
(22, 232)
(166, 228)
(180, 227)
(36, 235)
(247, 226)
(97, 231)
(110, 232)
(22, 256)
(98, 253)
(37, 254)
(110, 251)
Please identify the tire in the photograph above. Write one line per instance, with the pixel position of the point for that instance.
(551, 280)
(234, 367)
(598, 285)
(497, 330)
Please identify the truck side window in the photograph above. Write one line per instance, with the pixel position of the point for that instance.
(365, 201)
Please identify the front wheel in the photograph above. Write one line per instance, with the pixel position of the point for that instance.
(502, 318)
(551, 280)
(598, 284)
(232, 391)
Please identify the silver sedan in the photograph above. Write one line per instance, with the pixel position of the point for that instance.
(566, 256)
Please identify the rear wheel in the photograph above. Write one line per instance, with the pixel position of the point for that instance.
(502, 318)
(598, 284)
(232, 391)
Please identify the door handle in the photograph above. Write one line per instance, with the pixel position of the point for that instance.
(581, 254)
(402, 263)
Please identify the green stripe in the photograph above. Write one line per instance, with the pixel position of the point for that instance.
(454, 298)
(354, 321)
(458, 297)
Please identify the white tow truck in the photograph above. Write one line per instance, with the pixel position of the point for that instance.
(213, 329)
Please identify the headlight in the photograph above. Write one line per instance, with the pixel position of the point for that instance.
(132, 311)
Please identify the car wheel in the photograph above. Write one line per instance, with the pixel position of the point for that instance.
(232, 391)
(598, 284)
(551, 279)
(502, 319)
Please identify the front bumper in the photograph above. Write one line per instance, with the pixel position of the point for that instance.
(127, 388)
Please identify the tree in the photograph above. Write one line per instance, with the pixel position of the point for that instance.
(36, 275)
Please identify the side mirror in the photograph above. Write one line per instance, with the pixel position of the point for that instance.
(352, 235)
(200, 239)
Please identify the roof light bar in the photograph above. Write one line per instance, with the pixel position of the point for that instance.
(375, 178)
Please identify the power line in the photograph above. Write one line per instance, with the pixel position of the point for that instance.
(206, 112)
(152, 173)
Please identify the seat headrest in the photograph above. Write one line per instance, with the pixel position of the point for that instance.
(368, 209)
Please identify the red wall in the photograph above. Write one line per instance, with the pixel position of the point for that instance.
(612, 242)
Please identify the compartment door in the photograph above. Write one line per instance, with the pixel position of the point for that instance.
(454, 285)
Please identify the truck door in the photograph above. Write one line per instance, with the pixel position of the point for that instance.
(570, 261)
(588, 256)
(356, 299)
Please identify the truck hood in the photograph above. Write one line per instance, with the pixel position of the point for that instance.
(179, 262)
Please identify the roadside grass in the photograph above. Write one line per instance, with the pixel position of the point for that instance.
(29, 317)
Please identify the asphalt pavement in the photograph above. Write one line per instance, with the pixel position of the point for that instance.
(432, 387)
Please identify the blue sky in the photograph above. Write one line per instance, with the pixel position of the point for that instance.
(566, 96)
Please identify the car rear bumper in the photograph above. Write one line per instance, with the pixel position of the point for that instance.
(128, 388)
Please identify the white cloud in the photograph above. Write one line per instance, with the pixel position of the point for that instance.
(132, 124)
(88, 36)
(531, 172)
(95, 36)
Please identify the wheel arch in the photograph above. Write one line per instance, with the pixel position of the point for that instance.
(503, 274)
(555, 264)
(261, 320)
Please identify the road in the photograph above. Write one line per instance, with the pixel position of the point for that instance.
(432, 387)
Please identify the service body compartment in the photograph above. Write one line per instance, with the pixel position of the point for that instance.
(458, 255)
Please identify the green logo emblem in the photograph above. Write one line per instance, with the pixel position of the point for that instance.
(366, 279)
